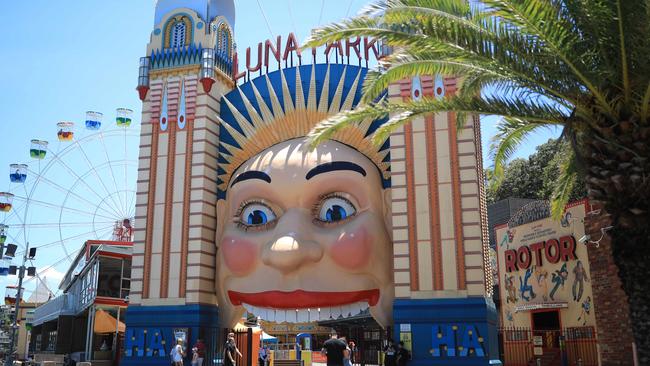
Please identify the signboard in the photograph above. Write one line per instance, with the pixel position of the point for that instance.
(405, 327)
(548, 305)
(538, 341)
(542, 266)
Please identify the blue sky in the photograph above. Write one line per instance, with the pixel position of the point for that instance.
(62, 58)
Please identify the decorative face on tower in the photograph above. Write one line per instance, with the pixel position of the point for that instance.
(303, 236)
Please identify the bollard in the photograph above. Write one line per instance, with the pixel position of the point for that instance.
(538, 362)
(579, 363)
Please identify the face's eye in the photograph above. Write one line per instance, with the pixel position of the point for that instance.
(335, 209)
(256, 214)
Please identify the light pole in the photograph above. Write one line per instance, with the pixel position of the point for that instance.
(29, 254)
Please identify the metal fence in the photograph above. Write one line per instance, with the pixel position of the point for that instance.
(524, 346)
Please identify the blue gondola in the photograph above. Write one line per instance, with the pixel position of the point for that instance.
(18, 173)
(93, 120)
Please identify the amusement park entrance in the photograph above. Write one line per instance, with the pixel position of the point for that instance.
(367, 340)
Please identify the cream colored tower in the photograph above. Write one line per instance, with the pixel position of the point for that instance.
(443, 285)
(187, 69)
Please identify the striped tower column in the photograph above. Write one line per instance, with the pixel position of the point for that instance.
(440, 237)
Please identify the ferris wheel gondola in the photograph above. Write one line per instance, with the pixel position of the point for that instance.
(81, 188)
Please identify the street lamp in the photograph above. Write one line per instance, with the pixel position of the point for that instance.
(20, 271)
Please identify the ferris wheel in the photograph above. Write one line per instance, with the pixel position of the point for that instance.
(80, 186)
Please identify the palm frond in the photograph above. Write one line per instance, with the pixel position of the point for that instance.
(541, 20)
(530, 111)
(511, 133)
(564, 184)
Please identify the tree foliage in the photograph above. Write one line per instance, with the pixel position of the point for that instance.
(533, 177)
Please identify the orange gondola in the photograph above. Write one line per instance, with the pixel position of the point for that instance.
(6, 200)
(66, 131)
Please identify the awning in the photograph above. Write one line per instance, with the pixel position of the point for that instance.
(105, 323)
(268, 338)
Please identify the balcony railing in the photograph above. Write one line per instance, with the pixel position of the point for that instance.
(61, 305)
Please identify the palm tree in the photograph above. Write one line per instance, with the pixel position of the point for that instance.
(580, 65)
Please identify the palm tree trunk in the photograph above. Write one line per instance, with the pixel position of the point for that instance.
(634, 271)
(617, 164)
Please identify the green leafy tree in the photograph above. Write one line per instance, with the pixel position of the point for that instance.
(581, 65)
(534, 177)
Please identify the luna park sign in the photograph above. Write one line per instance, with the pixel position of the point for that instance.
(276, 52)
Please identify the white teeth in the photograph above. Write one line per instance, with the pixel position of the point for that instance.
(280, 316)
(307, 315)
(270, 315)
(348, 310)
(302, 316)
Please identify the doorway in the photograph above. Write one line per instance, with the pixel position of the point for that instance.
(546, 324)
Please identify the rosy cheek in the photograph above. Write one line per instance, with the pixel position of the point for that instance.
(239, 254)
(352, 250)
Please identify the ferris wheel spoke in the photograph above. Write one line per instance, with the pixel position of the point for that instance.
(73, 237)
(63, 224)
(93, 169)
(15, 212)
(73, 173)
(64, 208)
(79, 197)
(117, 189)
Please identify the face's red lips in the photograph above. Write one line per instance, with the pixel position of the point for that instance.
(300, 299)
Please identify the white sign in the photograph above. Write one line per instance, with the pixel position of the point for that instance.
(405, 327)
(544, 305)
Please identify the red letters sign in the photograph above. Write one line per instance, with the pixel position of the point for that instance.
(552, 250)
(271, 52)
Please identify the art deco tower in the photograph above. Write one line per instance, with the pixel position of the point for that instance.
(186, 70)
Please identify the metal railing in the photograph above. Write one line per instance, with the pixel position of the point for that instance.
(61, 305)
(524, 346)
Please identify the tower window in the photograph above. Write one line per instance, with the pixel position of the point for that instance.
(224, 41)
(178, 35)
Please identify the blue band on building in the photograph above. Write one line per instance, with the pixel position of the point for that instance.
(151, 332)
(447, 331)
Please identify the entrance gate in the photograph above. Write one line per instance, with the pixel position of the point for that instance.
(523, 346)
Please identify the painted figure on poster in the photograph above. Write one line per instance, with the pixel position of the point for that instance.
(510, 287)
(558, 278)
(507, 238)
(586, 308)
(308, 237)
(524, 287)
(541, 277)
(578, 282)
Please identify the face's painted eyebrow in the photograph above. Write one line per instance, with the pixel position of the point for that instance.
(252, 174)
(334, 166)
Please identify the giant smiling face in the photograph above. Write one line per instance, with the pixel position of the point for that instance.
(302, 236)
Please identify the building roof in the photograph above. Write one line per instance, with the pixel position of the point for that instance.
(207, 9)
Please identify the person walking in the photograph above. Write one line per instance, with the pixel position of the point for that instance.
(298, 351)
(262, 355)
(200, 351)
(403, 355)
(177, 353)
(195, 356)
(230, 351)
(353, 351)
(347, 356)
(333, 349)
(390, 353)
